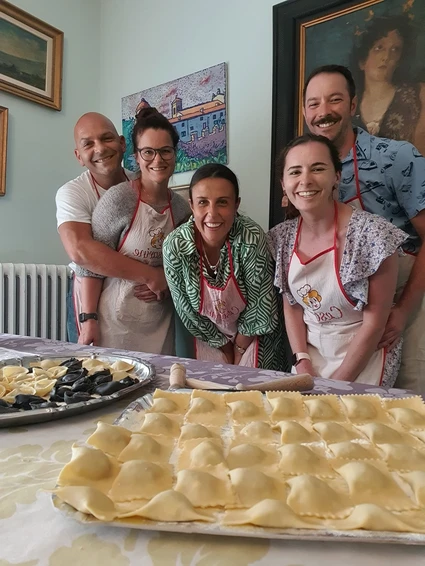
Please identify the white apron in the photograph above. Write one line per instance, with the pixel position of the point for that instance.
(126, 322)
(328, 313)
(223, 306)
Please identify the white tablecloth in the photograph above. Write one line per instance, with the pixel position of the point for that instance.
(33, 533)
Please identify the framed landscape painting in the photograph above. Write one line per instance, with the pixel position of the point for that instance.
(3, 149)
(382, 42)
(30, 57)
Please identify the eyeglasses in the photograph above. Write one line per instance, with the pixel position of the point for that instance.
(149, 153)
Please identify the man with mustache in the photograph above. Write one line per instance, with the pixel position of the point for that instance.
(100, 149)
(384, 177)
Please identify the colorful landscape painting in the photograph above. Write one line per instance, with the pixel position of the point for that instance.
(196, 106)
(23, 56)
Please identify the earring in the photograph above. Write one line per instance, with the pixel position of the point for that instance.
(285, 200)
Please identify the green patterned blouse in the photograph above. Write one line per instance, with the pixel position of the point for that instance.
(253, 270)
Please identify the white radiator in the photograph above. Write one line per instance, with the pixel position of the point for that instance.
(33, 299)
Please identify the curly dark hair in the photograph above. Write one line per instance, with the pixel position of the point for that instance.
(378, 29)
(149, 117)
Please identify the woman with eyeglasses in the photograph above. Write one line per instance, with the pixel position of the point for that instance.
(220, 275)
(134, 218)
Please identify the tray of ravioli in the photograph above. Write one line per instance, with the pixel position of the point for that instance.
(37, 388)
(278, 465)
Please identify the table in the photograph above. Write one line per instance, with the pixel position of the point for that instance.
(33, 533)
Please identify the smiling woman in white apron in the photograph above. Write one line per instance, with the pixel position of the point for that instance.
(134, 218)
(220, 275)
(337, 269)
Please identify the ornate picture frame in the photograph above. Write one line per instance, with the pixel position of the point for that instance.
(31, 56)
(308, 34)
(4, 112)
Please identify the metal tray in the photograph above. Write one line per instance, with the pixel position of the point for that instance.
(130, 418)
(144, 371)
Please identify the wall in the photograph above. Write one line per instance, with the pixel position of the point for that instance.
(149, 42)
(40, 142)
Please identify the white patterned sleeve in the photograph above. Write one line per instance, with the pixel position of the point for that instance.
(370, 240)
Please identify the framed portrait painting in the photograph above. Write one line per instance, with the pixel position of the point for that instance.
(3, 149)
(30, 57)
(382, 43)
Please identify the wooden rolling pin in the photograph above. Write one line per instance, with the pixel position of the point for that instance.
(301, 382)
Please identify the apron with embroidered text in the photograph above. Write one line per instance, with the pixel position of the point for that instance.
(223, 306)
(126, 322)
(332, 323)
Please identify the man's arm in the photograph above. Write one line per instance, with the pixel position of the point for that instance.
(99, 258)
(412, 294)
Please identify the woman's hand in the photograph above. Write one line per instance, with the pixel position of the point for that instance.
(89, 333)
(228, 352)
(305, 366)
(157, 282)
(394, 328)
(143, 293)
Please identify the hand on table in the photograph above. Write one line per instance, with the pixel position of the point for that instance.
(394, 328)
(89, 333)
(305, 366)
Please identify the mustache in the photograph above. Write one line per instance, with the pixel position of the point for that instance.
(326, 119)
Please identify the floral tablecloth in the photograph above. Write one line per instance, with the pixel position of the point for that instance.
(33, 533)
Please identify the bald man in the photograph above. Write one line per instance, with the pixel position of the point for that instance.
(100, 149)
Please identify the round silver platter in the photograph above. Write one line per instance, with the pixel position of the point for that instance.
(144, 371)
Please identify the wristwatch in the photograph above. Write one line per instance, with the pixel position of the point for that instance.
(239, 349)
(296, 358)
(83, 316)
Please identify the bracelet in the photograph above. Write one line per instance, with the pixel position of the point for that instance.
(239, 349)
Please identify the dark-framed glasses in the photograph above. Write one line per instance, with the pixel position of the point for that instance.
(149, 153)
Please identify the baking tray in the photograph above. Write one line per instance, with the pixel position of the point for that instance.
(130, 418)
(144, 372)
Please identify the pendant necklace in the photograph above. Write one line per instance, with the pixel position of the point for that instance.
(213, 268)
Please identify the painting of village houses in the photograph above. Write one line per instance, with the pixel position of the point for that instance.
(196, 106)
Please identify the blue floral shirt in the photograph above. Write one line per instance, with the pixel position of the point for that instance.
(392, 181)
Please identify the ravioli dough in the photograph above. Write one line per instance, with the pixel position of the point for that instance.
(206, 408)
(252, 486)
(416, 480)
(201, 453)
(204, 489)
(159, 424)
(258, 431)
(173, 506)
(90, 467)
(371, 517)
(379, 433)
(192, 431)
(147, 447)
(88, 500)
(401, 457)
(334, 432)
(285, 405)
(182, 400)
(268, 513)
(139, 479)
(247, 455)
(353, 451)
(408, 418)
(293, 432)
(111, 439)
(363, 408)
(311, 496)
(298, 459)
(243, 411)
(162, 405)
(321, 409)
(370, 484)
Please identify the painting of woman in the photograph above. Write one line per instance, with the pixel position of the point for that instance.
(391, 103)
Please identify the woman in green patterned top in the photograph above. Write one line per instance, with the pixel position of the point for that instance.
(220, 275)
